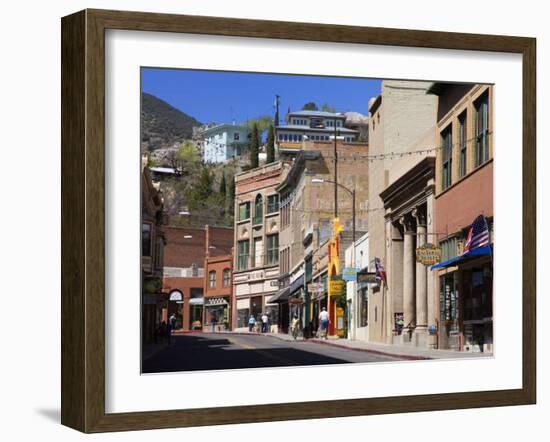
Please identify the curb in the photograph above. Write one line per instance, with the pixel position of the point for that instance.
(378, 352)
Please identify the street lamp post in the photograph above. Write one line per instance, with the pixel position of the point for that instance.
(350, 192)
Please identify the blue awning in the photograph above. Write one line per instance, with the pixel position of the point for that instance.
(480, 251)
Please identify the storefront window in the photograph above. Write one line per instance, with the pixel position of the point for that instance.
(478, 303)
(242, 317)
(363, 308)
(146, 239)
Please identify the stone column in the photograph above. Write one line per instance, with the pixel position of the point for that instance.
(433, 297)
(409, 313)
(421, 283)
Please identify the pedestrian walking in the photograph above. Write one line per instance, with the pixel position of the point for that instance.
(173, 321)
(265, 323)
(214, 321)
(251, 323)
(323, 321)
(294, 326)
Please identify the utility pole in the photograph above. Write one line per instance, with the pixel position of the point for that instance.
(335, 172)
(277, 97)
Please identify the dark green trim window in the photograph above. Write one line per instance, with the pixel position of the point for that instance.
(244, 211)
(272, 249)
(243, 251)
(273, 203)
(482, 129)
(258, 209)
(446, 157)
(463, 144)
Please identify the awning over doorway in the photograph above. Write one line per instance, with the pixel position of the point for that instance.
(280, 296)
(475, 253)
(196, 301)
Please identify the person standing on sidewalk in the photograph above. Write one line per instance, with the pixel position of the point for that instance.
(265, 322)
(294, 326)
(172, 321)
(251, 323)
(323, 321)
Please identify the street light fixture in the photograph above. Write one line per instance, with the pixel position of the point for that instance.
(350, 191)
(187, 236)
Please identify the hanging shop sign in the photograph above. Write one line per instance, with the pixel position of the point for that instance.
(349, 274)
(336, 287)
(296, 301)
(315, 287)
(428, 254)
(368, 278)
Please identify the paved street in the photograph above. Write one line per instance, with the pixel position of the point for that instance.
(209, 351)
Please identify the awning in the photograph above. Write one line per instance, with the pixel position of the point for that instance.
(280, 296)
(475, 253)
(297, 284)
(196, 301)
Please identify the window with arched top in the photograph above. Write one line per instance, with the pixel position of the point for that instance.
(212, 279)
(258, 209)
(226, 277)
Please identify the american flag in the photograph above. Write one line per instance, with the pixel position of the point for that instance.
(380, 271)
(478, 235)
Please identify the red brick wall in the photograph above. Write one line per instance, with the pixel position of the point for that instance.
(217, 265)
(184, 285)
(457, 207)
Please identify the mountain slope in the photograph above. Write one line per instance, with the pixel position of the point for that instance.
(162, 125)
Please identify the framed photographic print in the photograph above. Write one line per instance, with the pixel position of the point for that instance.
(267, 221)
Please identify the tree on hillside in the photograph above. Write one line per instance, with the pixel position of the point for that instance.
(188, 158)
(270, 147)
(254, 147)
(204, 187)
(262, 122)
(310, 106)
(230, 198)
(325, 107)
(223, 189)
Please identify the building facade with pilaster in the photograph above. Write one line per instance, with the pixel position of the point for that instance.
(401, 199)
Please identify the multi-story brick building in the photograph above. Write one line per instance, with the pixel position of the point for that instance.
(464, 194)
(218, 284)
(256, 245)
(184, 259)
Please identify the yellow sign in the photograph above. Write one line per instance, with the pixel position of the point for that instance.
(336, 288)
(428, 254)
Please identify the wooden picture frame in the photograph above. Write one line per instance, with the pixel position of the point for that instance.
(83, 220)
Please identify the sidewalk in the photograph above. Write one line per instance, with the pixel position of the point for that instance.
(398, 351)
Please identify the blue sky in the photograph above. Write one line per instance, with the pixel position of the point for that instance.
(212, 96)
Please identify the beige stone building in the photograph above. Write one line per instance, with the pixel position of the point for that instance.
(401, 207)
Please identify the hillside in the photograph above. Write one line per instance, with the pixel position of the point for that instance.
(162, 125)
